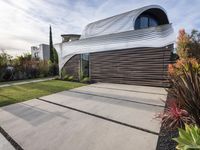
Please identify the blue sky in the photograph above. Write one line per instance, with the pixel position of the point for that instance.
(24, 23)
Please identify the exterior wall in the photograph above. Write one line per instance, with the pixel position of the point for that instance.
(72, 67)
(139, 66)
(42, 52)
(70, 37)
(34, 52)
(45, 50)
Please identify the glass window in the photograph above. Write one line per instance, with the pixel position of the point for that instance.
(145, 21)
(152, 22)
(84, 65)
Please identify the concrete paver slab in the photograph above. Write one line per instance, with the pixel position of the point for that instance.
(147, 89)
(4, 144)
(94, 117)
(148, 95)
(39, 125)
(140, 115)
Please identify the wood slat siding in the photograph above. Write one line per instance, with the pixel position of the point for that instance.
(72, 67)
(139, 66)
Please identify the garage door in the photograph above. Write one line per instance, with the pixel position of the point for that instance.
(138, 66)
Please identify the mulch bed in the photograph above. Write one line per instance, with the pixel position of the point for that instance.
(165, 141)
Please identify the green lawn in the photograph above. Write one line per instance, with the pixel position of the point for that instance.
(19, 93)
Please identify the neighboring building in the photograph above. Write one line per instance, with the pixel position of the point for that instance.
(42, 52)
(131, 48)
(70, 37)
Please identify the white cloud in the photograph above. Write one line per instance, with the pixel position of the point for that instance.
(26, 23)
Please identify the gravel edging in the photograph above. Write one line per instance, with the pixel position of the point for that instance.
(165, 141)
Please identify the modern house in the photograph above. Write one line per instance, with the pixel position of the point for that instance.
(131, 48)
(42, 52)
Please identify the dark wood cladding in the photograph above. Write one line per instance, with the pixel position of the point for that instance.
(139, 66)
(72, 67)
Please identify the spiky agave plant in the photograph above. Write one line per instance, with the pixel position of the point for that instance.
(186, 89)
(189, 139)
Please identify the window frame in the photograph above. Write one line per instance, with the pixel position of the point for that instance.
(81, 65)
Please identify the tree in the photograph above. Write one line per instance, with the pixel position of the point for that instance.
(53, 52)
(183, 44)
(55, 56)
(51, 46)
(194, 44)
(188, 45)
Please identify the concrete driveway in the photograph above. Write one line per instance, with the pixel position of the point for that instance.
(100, 116)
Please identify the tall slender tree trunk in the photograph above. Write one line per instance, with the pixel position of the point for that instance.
(51, 46)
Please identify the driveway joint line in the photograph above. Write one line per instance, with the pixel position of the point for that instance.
(10, 139)
(126, 90)
(119, 99)
(101, 117)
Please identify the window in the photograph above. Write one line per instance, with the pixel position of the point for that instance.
(145, 21)
(36, 55)
(84, 65)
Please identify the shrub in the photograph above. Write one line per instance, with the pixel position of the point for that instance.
(186, 90)
(43, 68)
(71, 78)
(66, 77)
(25, 67)
(5, 61)
(173, 116)
(53, 69)
(85, 80)
(63, 73)
(189, 138)
(181, 64)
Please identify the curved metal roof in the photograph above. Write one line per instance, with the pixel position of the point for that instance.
(119, 23)
(150, 37)
(116, 33)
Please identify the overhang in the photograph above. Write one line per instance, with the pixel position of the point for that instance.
(159, 36)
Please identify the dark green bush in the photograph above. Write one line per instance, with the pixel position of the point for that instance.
(24, 67)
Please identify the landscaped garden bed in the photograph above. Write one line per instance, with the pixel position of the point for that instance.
(180, 127)
(165, 139)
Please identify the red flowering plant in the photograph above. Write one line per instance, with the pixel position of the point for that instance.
(185, 90)
(174, 117)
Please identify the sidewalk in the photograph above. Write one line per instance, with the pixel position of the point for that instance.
(24, 82)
